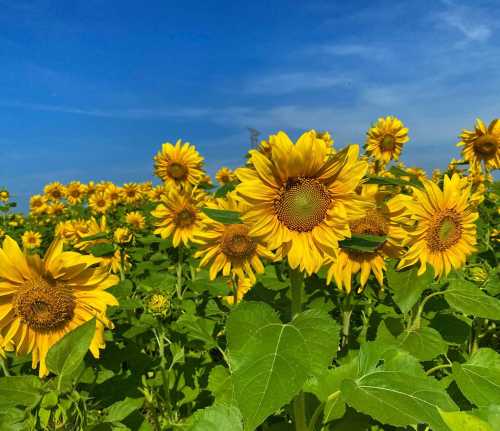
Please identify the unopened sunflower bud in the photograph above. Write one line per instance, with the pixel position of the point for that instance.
(159, 304)
(478, 274)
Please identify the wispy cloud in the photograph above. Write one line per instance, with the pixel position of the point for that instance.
(292, 82)
(367, 51)
(471, 23)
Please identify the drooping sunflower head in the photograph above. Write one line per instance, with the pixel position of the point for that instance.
(482, 145)
(444, 233)
(224, 176)
(229, 248)
(385, 139)
(301, 197)
(179, 164)
(44, 299)
(55, 191)
(31, 239)
(179, 215)
(75, 192)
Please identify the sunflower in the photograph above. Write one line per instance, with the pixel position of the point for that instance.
(38, 204)
(156, 193)
(31, 239)
(55, 191)
(75, 192)
(122, 235)
(224, 176)
(179, 215)
(42, 300)
(385, 219)
(99, 202)
(136, 220)
(229, 247)
(113, 193)
(131, 193)
(301, 198)
(55, 208)
(90, 228)
(444, 233)
(482, 145)
(385, 139)
(4, 195)
(179, 164)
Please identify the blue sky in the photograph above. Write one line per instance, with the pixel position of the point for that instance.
(90, 89)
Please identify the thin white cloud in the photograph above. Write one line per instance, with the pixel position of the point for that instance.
(293, 82)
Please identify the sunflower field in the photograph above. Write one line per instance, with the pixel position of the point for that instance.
(313, 288)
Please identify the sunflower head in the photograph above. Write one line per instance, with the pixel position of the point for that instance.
(99, 202)
(31, 239)
(444, 233)
(43, 299)
(75, 192)
(481, 146)
(179, 164)
(385, 139)
(224, 176)
(38, 204)
(4, 195)
(301, 196)
(55, 191)
(136, 220)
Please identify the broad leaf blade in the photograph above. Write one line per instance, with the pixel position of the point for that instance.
(23, 391)
(467, 298)
(223, 216)
(216, 418)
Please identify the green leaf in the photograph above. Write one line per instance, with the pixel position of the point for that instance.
(103, 249)
(423, 343)
(121, 409)
(223, 216)
(12, 419)
(386, 181)
(490, 414)
(275, 364)
(407, 286)
(221, 385)
(244, 322)
(270, 279)
(365, 243)
(461, 421)
(23, 391)
(469, 299)
(322, 336)
(100, 235)
(479, 377)
(399, 399)
(216, 418)
(197, 328)
(225, 189)
(65, 357)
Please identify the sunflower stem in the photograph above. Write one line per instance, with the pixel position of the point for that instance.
(4, 368)
(346, 319)
(299, 402)
(179, 271)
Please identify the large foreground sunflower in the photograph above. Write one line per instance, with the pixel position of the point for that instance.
(385, 219)
(482, 145)
(179, 164)
(301, 197)
(229, 247)
(42, 300)
(179, 215)
(385, 139)
(444, 233)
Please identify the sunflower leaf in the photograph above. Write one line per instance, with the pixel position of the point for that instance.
(23, 391)
(65, 357)
(223, 216)
(365, 243)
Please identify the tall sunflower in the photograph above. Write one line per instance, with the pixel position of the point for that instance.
(229, 247)
(75, 192)
(99, 202)
(38, 204)
(385, 219)
(31, 239)
(42, 300)
(300, 198)
(482, 145)
(179, 164)
(179, 215)
(131, 193)
(385, 139)
(224, 176)
(444, 233)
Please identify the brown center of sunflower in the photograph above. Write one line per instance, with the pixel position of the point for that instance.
(236, 242)
(185, 218)
(302, 204)
(486, 145)
(44, 305)
(445, 231)
(388, 143)
(56, 194)
(374, 223)
(177, 171)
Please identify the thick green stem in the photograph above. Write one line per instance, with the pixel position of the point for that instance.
(299, 403)
(346, 319)
(437, 367)
(416, 322)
